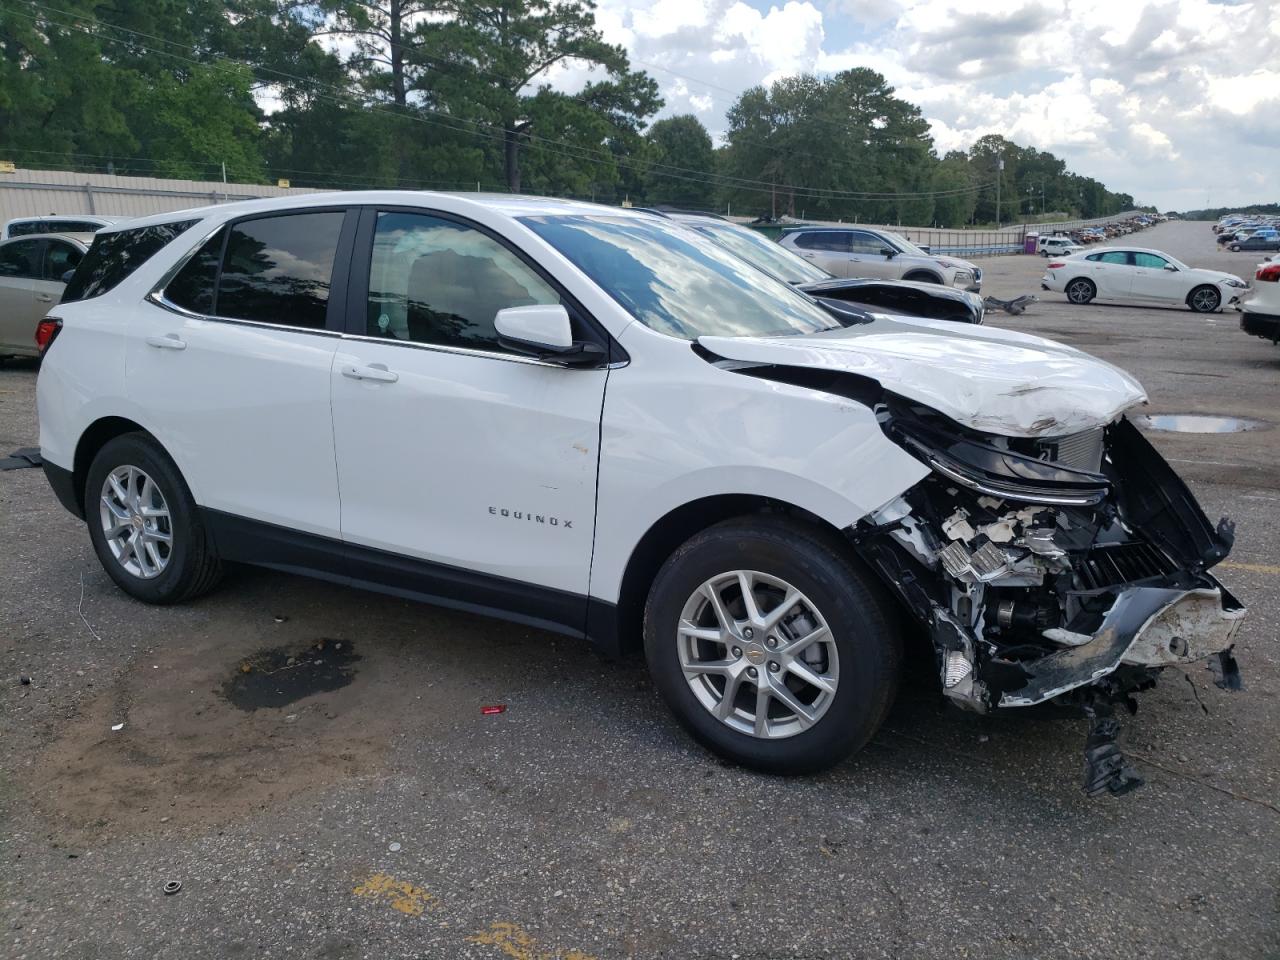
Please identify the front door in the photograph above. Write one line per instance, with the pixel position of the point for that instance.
(1152, 281)
(867, 257)
(467, 471)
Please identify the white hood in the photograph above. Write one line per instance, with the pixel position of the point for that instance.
(991, 380)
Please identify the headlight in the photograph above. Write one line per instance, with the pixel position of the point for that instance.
(963, 276)
(1233, 282)
(976, 462)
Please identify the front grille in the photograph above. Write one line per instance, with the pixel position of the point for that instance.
(1122, 563)
(1080, 451)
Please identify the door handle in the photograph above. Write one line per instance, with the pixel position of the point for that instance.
(373, 371)
(44, 298)
(170, 341)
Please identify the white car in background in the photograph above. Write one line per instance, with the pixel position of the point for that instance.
(1135, 273)
(77, 223)
(1260, 314)
(1057, 246)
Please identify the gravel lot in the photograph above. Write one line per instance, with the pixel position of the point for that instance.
(388, 818)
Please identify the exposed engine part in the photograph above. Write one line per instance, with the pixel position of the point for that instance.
(957, 527)
(1025, 615)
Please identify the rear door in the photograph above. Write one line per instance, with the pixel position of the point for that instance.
(60, 257)
(829, 249)
(231, 365)
(468, 471)
(20, 265)
(1112, 273)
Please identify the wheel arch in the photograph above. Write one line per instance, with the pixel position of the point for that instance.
(96, 436)
(677, 526)
(922, 276)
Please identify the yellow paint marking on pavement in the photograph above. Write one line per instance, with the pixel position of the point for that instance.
(519, 944)
(1252, 567)
(398, 894)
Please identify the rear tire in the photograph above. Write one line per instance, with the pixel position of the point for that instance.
(1204, 299)
(145, 525)
(1081, 290)
(823, 673)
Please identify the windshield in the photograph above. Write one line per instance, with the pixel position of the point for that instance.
(679, 283)
(763, 253)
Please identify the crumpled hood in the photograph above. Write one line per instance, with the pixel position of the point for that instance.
(992, 380)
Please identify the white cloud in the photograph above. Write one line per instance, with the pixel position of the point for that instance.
(1164, 99)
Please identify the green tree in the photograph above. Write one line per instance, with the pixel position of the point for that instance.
(682, 142)
(494, 52)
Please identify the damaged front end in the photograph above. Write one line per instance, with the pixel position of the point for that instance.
(1069, 568)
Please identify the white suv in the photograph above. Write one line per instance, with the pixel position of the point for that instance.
(863, 252)
(582, 419)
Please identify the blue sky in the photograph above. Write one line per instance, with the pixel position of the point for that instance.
(1174, 101)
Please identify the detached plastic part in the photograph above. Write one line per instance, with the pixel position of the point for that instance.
(1105, 768)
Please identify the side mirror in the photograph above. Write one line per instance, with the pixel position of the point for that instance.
(888, 252)
(1171, 268)
(67, 275)
(544, 331)
(924, 247)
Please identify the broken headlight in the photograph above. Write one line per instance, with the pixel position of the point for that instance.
(995, 465)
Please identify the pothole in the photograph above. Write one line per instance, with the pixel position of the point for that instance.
(1198, 423)
(276, 678)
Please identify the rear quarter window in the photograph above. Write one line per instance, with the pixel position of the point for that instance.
(116, 255)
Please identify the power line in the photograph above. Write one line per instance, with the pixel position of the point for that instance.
(450, 122)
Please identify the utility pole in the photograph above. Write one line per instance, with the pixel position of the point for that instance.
(224, 171)
(999, 177)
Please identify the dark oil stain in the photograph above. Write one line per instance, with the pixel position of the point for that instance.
(276, 678)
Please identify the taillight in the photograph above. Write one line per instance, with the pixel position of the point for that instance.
(46, 331)
(1056, 266)
(1270, 273)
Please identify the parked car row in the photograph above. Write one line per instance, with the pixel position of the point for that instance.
(649, 443)
(1244, 233)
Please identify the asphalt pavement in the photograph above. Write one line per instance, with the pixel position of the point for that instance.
(389, 815)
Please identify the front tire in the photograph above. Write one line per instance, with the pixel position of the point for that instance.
(1205, 299)
(773, 647)
(923, 277)
(1081, 290)
(144, 523)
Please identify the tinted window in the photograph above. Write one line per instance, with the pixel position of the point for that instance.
(59, 257)
(825, 240)
(867, 243)
(25, 228)
(21, 259)
(278, 269)
(75, 226)
(1149, 260)
(194, 285)
(114, 256)
(678, 282)
(1115, 256)
(436, 281)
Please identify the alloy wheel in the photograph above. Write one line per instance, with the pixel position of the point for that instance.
(135, 522)
(1079, 291)
(1205, 301)
(758, 654)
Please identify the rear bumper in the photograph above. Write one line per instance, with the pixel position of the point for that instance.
(64, 487)
(1265, 325)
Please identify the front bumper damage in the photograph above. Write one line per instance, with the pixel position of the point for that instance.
(1069, 570)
